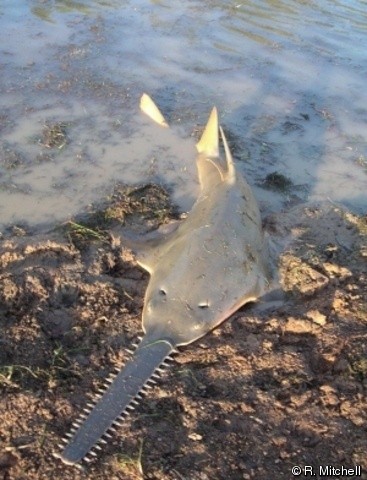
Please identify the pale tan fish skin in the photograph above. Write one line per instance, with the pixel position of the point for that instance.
(151, 110)
(214, 261)
(201, 272)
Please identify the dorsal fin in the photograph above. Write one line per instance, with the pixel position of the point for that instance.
(231, 170)
(209, 142)
(150, 108)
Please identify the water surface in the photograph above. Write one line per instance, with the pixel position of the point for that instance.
(288, 78)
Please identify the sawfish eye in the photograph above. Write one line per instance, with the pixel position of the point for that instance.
(163, 292)
(203, 305)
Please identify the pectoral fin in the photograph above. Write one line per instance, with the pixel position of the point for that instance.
(148, 249)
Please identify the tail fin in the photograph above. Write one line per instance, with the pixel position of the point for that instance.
(150, 108)
(231, 171)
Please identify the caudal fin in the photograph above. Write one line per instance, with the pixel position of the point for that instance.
(150, 108)
(231, 170)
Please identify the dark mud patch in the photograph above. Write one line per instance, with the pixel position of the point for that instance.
(267, 390)
(277, 182)
(10, 157)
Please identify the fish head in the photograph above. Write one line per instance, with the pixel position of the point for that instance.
(174, 316)
(187, 299)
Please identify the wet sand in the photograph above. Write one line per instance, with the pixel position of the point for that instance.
(271, 388)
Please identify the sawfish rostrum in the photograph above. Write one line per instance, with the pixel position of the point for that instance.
(201, 272)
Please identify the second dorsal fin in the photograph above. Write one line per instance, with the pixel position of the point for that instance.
(209, 142)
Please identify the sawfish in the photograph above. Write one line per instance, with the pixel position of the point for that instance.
(201, 272)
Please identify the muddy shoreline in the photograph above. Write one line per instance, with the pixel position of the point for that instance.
(269, 389)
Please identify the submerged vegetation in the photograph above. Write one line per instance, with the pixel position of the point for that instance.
(143, 207)
(146, 203)
(54, 136)
(79, 233)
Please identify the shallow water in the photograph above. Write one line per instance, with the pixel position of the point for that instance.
(288, 78)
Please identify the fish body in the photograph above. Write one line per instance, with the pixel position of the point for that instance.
(201, 272)
(210, 265)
